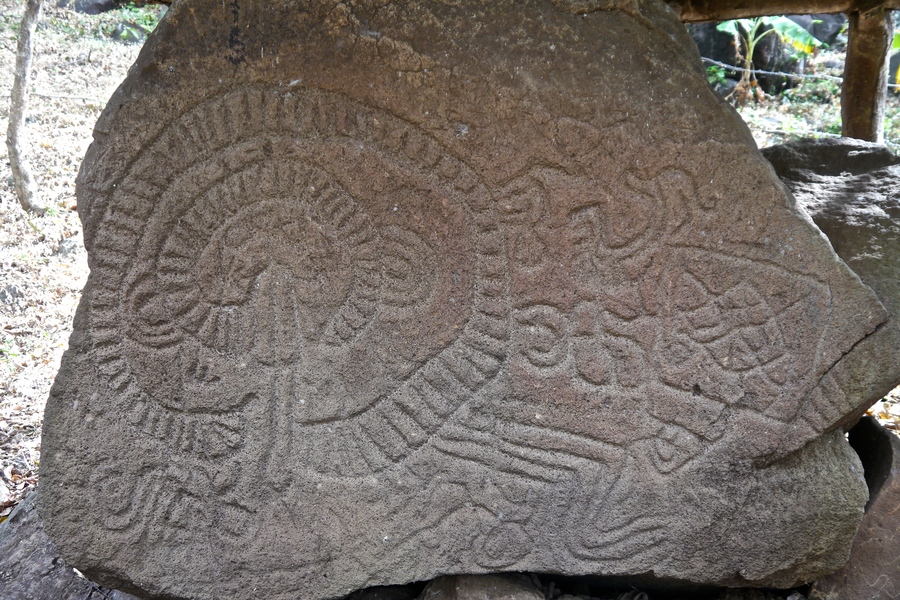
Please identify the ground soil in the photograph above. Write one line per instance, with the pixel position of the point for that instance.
(812, 108)
(79, 61)
(43, 265)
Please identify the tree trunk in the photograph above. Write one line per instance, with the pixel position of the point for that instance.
(15, 142)
(864, 90)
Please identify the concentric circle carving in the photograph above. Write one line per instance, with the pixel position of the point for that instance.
(324, 261)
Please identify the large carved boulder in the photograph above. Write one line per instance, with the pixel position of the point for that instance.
(381, 291)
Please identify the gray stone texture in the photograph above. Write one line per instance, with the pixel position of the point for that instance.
(873, 571)
(851, 189)
(383, 291)
(30, 566)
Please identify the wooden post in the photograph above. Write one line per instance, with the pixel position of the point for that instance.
(865, 74)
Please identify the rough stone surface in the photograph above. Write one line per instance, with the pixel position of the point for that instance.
(30, 566)
(90, 7)
(851, 189)
(482, 587)
(383, 291)
(873, 572)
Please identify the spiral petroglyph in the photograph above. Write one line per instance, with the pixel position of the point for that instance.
(261, 262)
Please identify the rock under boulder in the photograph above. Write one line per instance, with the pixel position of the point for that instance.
(30, 566)
(381, 292)
(482, 587)
(405, 592)
(873, 571)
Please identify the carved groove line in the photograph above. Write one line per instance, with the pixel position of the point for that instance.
(394, 426)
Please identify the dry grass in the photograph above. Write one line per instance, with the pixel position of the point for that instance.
(812, 109)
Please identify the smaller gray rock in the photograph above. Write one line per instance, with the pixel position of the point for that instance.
(851, 190)
(11, 293)
(807, 161)
(89, 7)
(873, 571)
(753, 594)
(130, 33)
(482, 587)
(70, 246)
(630, 595)
(30, 566)
(725, 88)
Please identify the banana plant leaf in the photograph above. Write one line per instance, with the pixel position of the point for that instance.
(789, 32)
(792, 33)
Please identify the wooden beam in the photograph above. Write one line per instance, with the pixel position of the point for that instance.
(864, 90)
(694, 11)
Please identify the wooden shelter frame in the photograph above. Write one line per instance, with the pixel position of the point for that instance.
(864, 89)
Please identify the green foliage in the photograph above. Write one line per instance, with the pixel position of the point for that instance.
(73, 29)
(748, 33)
(130, 23)
(751, 32)
(130, 33)
(715, 74)
(9, 349)
(895, 47)
(820, 91)
(142, 16)
(9, 352)
(892, 126)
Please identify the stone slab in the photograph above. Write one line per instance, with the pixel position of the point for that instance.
(382, 291)
(482, 587)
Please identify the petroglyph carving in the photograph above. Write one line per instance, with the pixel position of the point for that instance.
(541, 336)
(272, 271)
(346, 304)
